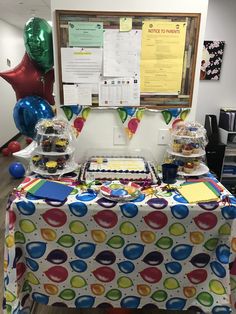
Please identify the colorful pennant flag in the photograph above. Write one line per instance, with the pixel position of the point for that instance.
(77, 115)
(175, 114)
(130, 118)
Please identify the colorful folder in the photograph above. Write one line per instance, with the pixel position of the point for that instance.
(199, 192)
(50, 190)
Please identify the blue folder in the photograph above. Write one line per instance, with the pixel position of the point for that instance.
(52, 191)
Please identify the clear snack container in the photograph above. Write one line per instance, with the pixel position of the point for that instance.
(54, 153)
(187, 148)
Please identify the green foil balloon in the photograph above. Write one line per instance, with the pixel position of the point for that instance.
(205, 298)
(38, 42)
(67, 294)
(114, 294)
(159, 296)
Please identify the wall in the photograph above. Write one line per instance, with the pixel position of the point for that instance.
(216, 94)
(98, 131)
(12, 48)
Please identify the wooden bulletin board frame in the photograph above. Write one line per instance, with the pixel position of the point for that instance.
(184, 99)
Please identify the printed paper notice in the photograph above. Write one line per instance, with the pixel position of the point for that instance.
(85, 34)
(125, 24)
(119, 92)
(162, 56)
(80, 65)
(80, 94)
(122, 53)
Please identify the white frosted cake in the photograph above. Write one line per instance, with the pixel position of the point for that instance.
(118, 168)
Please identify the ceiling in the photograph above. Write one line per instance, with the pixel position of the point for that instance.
(18, 12)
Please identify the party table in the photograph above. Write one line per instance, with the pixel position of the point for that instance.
(90, 252)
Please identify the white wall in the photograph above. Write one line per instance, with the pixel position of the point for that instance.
(12, 48)
(98, 131)
(221, 25)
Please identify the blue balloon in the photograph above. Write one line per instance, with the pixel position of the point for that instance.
(26, 208)
(180, 211)
(175, 304)
(229, 212)
(130, 302)
(78, 266)
(180, 199)
(36, 249)
(84, 250)
(40, 297)
(85, 301)
(129, 210)
(87, 196)
(174, 111)
(78, 209)
(28, 111)
(218, 269)
(173, 267)
(130, 110)
(126, 267)
(16, 170)
(221, 309)
(140, 198)
(76, 109)
(181, 251)
(32, 264)
(223, 253)
(133, 251)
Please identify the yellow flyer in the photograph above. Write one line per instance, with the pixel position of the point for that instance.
(162, 56)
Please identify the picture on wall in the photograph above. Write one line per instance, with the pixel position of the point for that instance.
(212, 57)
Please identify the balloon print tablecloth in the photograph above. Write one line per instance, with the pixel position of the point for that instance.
(93, 252)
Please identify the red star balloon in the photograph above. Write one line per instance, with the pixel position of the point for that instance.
(27, 80)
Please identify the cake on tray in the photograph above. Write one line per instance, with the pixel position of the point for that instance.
(118, 168)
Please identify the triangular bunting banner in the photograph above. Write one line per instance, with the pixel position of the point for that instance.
(130, 118)
(176, 114)
(77, 115)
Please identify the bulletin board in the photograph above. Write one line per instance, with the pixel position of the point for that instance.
(115, 59)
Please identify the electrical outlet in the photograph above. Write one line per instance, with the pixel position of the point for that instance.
(163, 137)
(118, 136)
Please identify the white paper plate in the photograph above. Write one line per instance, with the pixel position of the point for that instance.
(203, 169)
(67, 169)
(201, 153)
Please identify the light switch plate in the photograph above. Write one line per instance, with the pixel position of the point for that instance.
(119, 136)
(163, 137)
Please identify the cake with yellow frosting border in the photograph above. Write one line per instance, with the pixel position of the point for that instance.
(118, 168)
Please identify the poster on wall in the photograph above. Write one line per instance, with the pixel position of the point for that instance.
(212, 57)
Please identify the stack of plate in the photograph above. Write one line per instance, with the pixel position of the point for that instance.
(116, 191)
